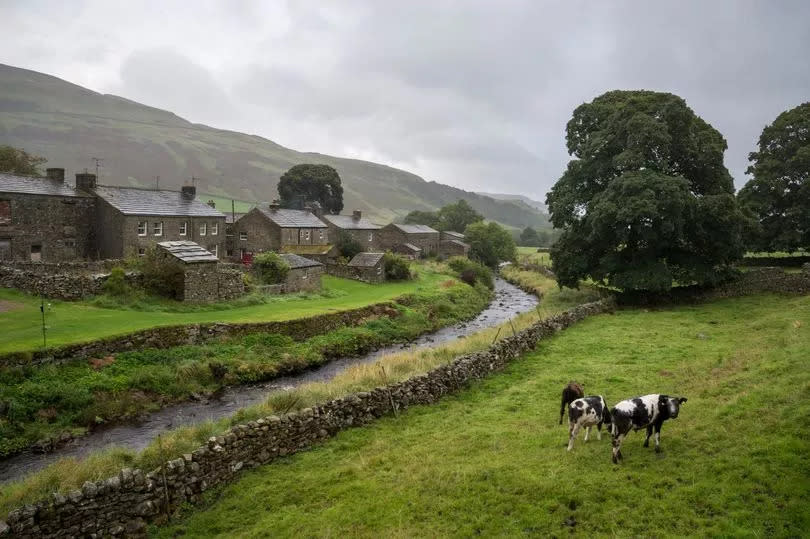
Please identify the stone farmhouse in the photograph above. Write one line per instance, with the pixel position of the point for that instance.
(366, 233)
(452, 244)
(272, 228)
(44, 219)
(412, 240)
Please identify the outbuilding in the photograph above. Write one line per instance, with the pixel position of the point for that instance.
(304, 275)
(198, 277)
(368, 267)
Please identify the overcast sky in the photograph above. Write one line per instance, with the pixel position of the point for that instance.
(473, 94)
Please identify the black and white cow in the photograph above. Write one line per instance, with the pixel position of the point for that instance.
(649, 411)
(587, 412)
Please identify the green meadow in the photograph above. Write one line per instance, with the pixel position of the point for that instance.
(491, 461)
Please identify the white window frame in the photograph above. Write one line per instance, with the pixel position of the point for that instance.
(214, 229)
(370, 237)
(306, 235)
(243, 236)
(184, 228)
(157, 228)
(203, 229)
(215, 250)
(143, 228)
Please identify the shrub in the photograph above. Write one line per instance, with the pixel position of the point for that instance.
(396, 267)
(471, 272)
(347, 245)
(270, 268)
(160, 276)
(116, 284)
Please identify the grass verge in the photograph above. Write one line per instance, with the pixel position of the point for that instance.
(491, 460)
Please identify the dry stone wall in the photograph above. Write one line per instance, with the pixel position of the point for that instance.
(65, 285)
(123, 505)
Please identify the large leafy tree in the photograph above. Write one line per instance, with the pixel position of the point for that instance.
(16, 161)
(647, 200)
(778, 196)
(490, 243)
(454, 217)
(418, 217)
(304, 184)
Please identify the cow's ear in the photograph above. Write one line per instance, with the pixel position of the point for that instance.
(681, 400)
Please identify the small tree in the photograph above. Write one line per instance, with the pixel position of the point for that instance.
(529, 237)
(347, 245)
(458, 216)
(471, 272)
(311, 183)
(777, 199)
(490, 243)
(396, 267)
(270, 267)
(18, 161)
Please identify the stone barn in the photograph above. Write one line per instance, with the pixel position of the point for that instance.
(368, 267)
(402, 238)
(452, 244)
(200, 278)
(304, 275)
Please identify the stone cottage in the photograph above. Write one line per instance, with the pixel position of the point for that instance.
(44, 219)
(361, 229)
(129, 220)
(272, 228)
(368, 267)
(452, 244)
(404, 238)
(200, 279)
(305, 274)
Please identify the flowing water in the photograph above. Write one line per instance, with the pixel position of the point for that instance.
(508, 302)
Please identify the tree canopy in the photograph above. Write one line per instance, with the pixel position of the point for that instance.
(304, 184)
(453, 217)
(17, 161)
(778, 196)
(490, 243)
(647, 201)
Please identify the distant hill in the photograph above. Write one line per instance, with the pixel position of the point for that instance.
(534, 204)
(70, 125)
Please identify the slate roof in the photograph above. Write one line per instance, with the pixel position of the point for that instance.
(412, 247)
(11, 183)
(347, 222)
(306, 249)
(297, 262)
(286, 218)
(187, 251)
(131, 201)
(453, 234)
(415, 229)
(457, 242)
(366, 260)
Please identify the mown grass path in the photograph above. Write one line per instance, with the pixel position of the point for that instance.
(70, 322)
(491, 460)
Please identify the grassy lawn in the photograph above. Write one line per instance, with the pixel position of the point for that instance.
(70, 322)
(491, 460)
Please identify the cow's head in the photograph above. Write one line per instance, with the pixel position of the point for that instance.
(671, 404)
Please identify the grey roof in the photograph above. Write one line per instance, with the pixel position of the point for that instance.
(187, 251)
(296, 261)
(366, 260)
(11, 183)
(231, 218)
(348, 222)
(457, 242)
(130, 201)
(453, 234)
(286, 218)
(415, 229)
(411, 247)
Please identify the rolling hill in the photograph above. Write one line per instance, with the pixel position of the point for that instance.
(70, 125)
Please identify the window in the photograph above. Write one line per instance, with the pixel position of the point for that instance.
(215, 229)
(243, 236)
(157, 228)
(5, 212)
(142, 228)
(371, 236)
(183, 228)
(5, 248)
(306, 235)
(215, 250)
(203, 229)
(141, 251)
(36, 253)
(320, 235)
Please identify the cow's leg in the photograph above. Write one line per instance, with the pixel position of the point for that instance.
(562, 409)
(573, 429)
(587, 432)
(658, 437)
(617, 447)
(649, 433)
(599, 431)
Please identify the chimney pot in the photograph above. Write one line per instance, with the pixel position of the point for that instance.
(188, 191)
(57, 174)
(85, 180)
(274, 205)
(357, 215)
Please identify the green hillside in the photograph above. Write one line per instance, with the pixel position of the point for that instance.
(70, 125)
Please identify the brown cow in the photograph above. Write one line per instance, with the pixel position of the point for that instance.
(570, 393)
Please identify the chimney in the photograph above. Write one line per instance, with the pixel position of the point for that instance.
(188, 191)
(85, 180)
(357, 215)
(274, 205)
(56, 174)
(212, 204)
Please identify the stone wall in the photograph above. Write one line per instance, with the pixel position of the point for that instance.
(125, 503)
(65, 286)
(76, 266)
(169, 336)
(367, 275)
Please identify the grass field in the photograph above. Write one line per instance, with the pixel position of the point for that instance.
(491, 461)
(224, 205)
(529, 255)
(70, 322)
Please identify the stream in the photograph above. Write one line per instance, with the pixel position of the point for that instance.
(508, 302)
